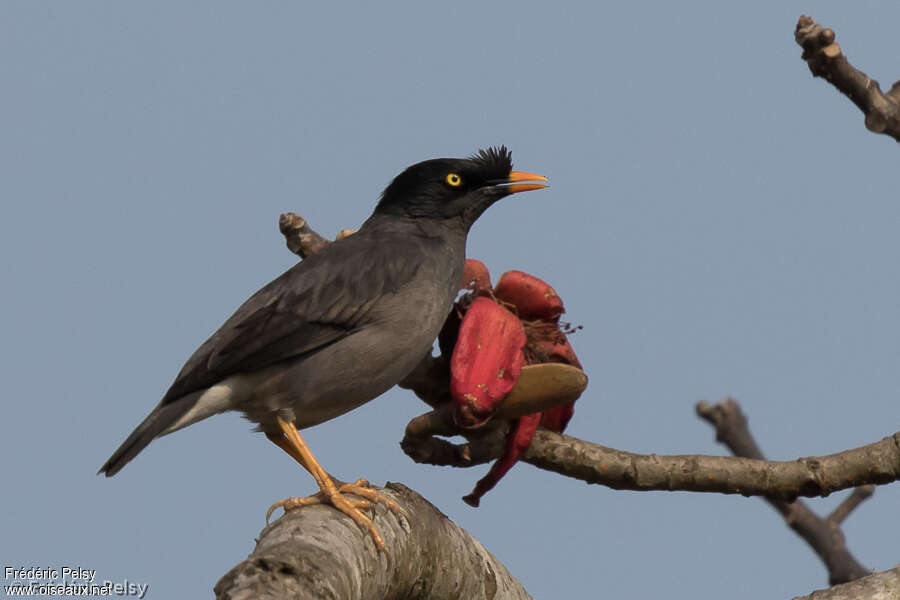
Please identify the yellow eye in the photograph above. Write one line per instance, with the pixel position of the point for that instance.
(453, 180)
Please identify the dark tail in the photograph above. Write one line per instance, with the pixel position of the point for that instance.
(154, 425)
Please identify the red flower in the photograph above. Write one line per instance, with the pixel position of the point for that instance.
(490, 349)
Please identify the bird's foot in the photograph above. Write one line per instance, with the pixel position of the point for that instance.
(335, 496)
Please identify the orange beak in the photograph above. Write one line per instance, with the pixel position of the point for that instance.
(524, 187)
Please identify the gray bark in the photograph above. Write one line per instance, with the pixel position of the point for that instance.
(317, 552)
(884, 585)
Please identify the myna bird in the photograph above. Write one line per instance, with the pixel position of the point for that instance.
(344, 325)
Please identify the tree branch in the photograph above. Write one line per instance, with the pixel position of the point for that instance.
(884, 585)
(300, 238)
(823, 535)
(784, 481)
(876, 463)
(859, 495)
(317, 552)
(824, 57)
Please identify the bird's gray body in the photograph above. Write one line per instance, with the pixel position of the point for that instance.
(333, 332)
(394, 326)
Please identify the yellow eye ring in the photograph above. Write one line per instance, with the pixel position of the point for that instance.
(453, 180)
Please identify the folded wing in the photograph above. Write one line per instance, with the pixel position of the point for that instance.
(318, 301)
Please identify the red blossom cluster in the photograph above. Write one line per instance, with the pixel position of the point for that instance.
(496, 331)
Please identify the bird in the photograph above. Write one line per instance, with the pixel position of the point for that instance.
(342, 326)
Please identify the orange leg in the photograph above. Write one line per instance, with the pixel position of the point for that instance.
(331, 491)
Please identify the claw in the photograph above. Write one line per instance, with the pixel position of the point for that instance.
(351, 508)
(362, 488)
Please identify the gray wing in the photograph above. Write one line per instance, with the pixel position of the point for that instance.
(315, 303)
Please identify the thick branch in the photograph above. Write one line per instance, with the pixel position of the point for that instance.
(819, 476)
(823, 535)
(884, 585)
(876, 463)
(824, 57)
(317, 552)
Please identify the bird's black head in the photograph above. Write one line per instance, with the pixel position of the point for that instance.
(455, 188)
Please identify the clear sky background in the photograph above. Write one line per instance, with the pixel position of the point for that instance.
(719, 222)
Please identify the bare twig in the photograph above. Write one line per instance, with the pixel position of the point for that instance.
(782, 480)
(484, 444)
(823, 535)
(317, 552)
(593, 463)
(859, 495)
(825, 59)
(300, 238)
(817, 476)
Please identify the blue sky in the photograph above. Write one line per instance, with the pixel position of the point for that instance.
(719, 222)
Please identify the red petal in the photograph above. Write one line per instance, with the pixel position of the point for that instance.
(476, 277)
(556, 418)
(559, 351)
(533, 297)
(486, 361)
(517, 443)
